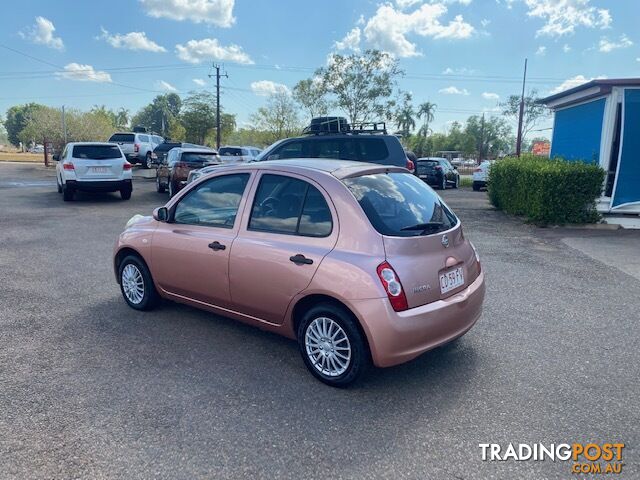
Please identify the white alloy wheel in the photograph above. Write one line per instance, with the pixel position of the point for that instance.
(328, 347)
(132, 283)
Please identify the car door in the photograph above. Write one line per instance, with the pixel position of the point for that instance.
(190, 252)
(287, 229)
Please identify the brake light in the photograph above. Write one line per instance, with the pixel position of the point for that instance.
(392, 286)
(136, 147)
(126, 166)
(410, 166)
(68, 166)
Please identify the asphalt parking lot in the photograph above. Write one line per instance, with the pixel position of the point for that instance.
(90, 388)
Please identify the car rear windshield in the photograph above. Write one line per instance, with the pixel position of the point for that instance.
(426, 165)
(192, 157)
(122, 137)
(230, 152)
(400, 205)
(96, 152)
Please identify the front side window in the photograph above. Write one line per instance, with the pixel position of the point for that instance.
(290, 206)
(401, 205)
(213, 203)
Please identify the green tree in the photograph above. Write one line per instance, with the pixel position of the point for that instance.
(426, 112)
(158, 114)
(122, 118)
(490, 136)
(311, 94)
(534, 112)
(279, 117)
(17, 117)
(362, 84)
(404, 115)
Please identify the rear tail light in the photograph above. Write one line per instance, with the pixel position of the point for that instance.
(136, 147)
(410, 166)
(126, 166)
(392, 286)
(68, 166)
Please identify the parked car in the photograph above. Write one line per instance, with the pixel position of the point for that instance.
(234, 154)
(172, 173)
(481, 175)
(360, 263)
(438, 172)
(137, 147)
(37, 149)
(92, 167)
(332, 137)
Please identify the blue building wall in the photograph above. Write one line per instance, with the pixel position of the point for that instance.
(628, 183)
(577, 132)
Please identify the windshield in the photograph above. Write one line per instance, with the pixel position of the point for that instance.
(96, 152)
(192, 157)
(230, 152)
(401, 205)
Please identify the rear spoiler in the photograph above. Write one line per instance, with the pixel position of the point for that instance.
(351, 172)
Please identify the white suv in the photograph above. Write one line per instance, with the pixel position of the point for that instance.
(137, 147)
(100, 167)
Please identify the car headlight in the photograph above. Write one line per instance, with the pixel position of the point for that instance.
(133, 220)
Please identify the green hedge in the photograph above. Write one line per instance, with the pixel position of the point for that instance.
(546, 191)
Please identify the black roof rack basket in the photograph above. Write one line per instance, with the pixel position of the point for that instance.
(329, 125)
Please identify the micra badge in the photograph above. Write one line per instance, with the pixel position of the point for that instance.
(445, 241)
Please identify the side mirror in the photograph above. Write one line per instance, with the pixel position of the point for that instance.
(56, 157)
(161, 214)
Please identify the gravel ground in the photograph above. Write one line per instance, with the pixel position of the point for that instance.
(90, 388)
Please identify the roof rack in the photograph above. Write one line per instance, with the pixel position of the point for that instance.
(369, 127)
(333, 125)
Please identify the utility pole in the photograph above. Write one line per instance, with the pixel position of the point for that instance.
(521, 115)
(217, 67)
(64, 125)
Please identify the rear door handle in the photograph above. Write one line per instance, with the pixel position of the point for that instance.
(217, 246)
(300, 259)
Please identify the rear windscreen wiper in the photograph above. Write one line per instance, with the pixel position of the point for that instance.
(423, 227)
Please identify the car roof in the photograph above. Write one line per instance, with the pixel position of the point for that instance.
(106, 144)
(431, 158)
(195, 149)
(340, 169)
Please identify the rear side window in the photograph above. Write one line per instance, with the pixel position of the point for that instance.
(96, 152)
(290, 206)
(400, 205)
(122, 137)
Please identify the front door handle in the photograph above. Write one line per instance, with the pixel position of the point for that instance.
(300, 259)
(217, 246)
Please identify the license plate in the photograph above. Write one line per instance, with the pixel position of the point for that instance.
(99, 169)
(451, 280)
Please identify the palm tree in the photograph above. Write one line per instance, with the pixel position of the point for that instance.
(404, 116)
(122, 117)
(426, 110)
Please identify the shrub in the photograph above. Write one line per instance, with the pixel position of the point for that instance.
(546, 191)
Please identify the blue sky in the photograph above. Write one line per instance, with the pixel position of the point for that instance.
(464, 55)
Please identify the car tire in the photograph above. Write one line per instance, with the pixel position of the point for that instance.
(443, 183)
(344, 339)
(159, 187)
(125, 193)
(456, 184)
(136, 284)
(147, 161)
(68, 194)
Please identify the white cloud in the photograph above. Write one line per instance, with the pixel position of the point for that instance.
(541, 51)
(607, 45)
(566, 48)
(458, 71)
(197, 51)
(490, 96)
(131, 41)
(572, 82)
(42, 33)
(453, 91)
(402, 4)
(264, 88)
(389, 27)
(563, 16)
(215, 12)
(200, 82)
(485, 22)
(83, 73)
(166, 86)
(351, 41)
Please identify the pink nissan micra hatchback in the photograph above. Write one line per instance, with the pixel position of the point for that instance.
(360, 263)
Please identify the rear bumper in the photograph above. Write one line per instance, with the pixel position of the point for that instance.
(431, 179)
(397, 337)
(100, 186)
